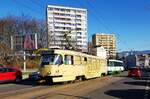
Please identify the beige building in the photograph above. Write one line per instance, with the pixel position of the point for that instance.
(108, 41)
(69, 20)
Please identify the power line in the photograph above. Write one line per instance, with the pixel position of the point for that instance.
(95, 15)
(37, 3)
(28, 7)
(100, 16)
(100, 20)
(106, 25)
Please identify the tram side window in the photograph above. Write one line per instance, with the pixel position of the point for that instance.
(85, 59)
(118, 64)
(68, 60)
(110, 64)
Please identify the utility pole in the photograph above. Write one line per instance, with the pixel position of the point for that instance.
(24, 60)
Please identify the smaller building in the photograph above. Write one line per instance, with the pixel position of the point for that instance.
(142, 60)
(108, 41)
(101, 52)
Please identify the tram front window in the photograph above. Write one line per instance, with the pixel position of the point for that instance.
(51, 59)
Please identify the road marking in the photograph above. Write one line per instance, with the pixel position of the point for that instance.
(146, 89)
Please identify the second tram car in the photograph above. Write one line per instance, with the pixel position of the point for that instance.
(115, 66)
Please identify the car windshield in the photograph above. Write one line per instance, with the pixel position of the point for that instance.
(51, 59)
(2, 69)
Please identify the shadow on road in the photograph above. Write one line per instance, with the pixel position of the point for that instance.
(141, 78)
(23, 82)
(28, 82)
(35, 83)
(32, 83)
(141, 83)
(127, 94)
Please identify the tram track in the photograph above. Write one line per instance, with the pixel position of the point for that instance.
(25, 90)
(32, 89)
(58, 90)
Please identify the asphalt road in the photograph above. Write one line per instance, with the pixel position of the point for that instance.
(128, 88)
(25, 84)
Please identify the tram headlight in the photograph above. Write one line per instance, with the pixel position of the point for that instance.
(48, 73)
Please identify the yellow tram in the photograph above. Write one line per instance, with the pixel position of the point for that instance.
(67, 65)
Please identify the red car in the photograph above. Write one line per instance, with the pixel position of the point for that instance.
(10, 74)
(134, 72)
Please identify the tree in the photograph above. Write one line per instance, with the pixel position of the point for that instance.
(71, 43)
(11, 25)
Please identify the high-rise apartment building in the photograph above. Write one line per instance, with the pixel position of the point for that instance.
(108, 41)
(67, 26)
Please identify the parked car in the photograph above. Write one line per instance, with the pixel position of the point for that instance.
(8, 74)
(35, 76)
(134, 72)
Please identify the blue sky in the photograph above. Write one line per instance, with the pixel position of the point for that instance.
(128, 19)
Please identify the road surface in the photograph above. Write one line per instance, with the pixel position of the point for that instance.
(127, 88)
(110, 87)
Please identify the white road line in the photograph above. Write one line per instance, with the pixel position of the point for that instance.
(146, 89)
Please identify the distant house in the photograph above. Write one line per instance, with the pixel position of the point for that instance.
(143, 60)
(137, 60)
